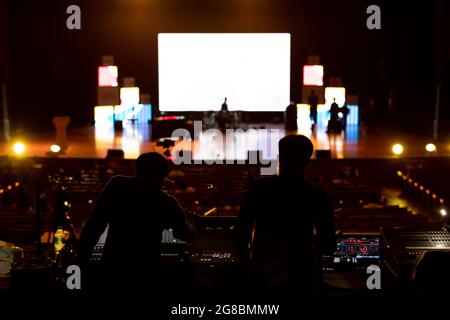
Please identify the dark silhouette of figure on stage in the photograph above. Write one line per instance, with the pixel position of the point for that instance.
(334, 124)
(313, 101)
(137, 210)
(223, 117)
(224, 107)
(285, 224)
(291, 117)
(345, 111)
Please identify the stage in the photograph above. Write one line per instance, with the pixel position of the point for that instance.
(134, 139)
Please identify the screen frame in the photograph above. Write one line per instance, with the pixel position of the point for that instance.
(257, 110)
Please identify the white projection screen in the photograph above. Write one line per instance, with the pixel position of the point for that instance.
(198, 70)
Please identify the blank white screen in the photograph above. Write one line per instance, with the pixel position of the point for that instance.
(198, 70)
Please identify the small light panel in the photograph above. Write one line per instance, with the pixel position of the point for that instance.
(313, 75)
(129, 96)
(107, 76)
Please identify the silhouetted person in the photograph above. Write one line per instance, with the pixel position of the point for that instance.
(334, 124)
(223, 117)
(313, 101)
(284, 211)
(224, 106)
(291, 117)
(137, 211)
(334, 111)
(345, 111)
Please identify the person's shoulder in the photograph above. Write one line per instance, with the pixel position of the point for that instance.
(168, 197)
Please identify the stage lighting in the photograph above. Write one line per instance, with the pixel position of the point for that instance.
(443, 212)
(104, 116)
(19, 148)
(107, 76)
(313, 75)
(431, 147)
(55, 148)
(129, 96)
(397, 149)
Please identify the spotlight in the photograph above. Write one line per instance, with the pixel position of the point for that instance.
(397, 149)
(431, 147)
(19, 148)
(443, 212)
(55, 148)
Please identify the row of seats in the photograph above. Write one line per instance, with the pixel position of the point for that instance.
(216, 190)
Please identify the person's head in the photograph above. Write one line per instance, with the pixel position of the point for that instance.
(295, 153)
(152, 168)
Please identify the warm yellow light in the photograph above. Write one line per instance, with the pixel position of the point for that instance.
(399, 173)
(431, 147)
(129, 96)
(55, 148)
(443, 212)
(397, 149)
(19, 148)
